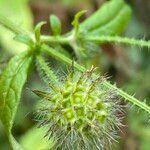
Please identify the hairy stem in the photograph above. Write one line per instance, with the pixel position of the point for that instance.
(118, 39)
(65, 40)
(56, 39)
(60, 57)
(128, 97)
(46, 69)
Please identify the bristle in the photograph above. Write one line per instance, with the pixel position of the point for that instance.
(83, 114)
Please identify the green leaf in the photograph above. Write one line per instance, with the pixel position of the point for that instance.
(18, 12)
(55, 25)
(111, 18)
(11, 84)
(37, 30)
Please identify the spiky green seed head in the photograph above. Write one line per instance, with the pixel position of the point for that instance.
(79, 113)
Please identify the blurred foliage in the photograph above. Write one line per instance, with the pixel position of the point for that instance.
(137, 78)
(18, 11)
(32, 137)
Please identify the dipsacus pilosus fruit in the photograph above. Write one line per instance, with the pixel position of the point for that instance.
(80, 113)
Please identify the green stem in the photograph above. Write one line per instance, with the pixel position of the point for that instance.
(60, 57)
(128, 97)
(46, 69)
(65, 40)
(17, 30)
(117, 39)
(7, 23)
(56, 39)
